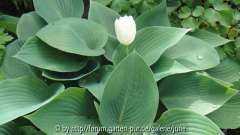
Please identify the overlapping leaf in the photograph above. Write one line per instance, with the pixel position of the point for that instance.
(130, 94)
(29, 24)
(96, 81)
(37, 53)
(110, 47)
(194, 91)
(9, 22)
(13, 68)
(55, 10)
(77, 36)
(228, 70)
(89, 68)
(228, 115)
(73, 107)
(156, 17)
(150, 43)
(194, 123)
(210, 38)
(105, 16)
(24, 95)
(10, 128)
(189, 54)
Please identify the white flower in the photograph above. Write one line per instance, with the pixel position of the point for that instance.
(125, 28)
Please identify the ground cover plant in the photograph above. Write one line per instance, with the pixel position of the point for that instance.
(127, 69)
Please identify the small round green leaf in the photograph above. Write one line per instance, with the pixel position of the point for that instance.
(219, 5)
(223, 30)
(198, 11)
(211, 15)
(184, 15)
(186, 9)
(226, 17)
(190, 23)
(103, 2)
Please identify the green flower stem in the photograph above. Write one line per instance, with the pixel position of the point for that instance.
(127, 50)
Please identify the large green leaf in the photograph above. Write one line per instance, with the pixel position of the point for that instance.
(130, 97)
(10, 128)
(228, 115)
(104, 16)
(37, 53)
(194, 123)
(55, 10)
(96, 81)
(89, 68)
(189, 54)
(210, 38)
(156, 17)
(172, 6)
(228, 70)
(24, 95)
(166, 66)
(9, 22)
(29, 24)
(110, 47)
(194, 91)
(150, 43)
(77, 36)
(13, 68)
(193, 53)
(73, 107)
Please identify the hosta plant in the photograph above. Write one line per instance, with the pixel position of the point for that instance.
(65, 74)
(220, 17)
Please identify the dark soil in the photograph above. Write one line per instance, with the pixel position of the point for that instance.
(7, 7)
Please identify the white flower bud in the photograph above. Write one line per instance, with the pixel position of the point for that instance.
(125, 28)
